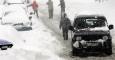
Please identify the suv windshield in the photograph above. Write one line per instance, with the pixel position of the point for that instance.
(89, 23)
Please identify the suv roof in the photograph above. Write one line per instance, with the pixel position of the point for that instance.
(81, 16)
(91, 16)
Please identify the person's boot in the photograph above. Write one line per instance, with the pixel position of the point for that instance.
(64, 38)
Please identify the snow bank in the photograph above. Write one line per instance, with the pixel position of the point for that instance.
(10, 34)
(42, 41)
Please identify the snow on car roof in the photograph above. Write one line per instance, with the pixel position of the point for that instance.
(15, 14)
(15, 1)
(2, 42)
(95, 15)
(15, 17)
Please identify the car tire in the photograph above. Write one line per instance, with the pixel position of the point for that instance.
(3, 48)
(108, 50)
(74, 52)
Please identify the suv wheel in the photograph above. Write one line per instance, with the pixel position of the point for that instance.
(74, 52)
(108, 50)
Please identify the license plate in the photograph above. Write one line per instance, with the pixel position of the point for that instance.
(92, 44)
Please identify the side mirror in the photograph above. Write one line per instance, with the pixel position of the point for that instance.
(71, 28)
(111, 27)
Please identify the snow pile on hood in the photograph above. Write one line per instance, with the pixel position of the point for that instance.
(105, 28)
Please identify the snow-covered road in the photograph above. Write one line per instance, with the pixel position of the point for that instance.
(67, 44)
(45, 41)
(71, 7)
(38, 44)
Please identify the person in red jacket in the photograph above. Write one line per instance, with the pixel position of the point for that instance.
(35, 7)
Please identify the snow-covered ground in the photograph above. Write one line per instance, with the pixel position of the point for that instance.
(45, 41)
(37, 44)
(73, 8)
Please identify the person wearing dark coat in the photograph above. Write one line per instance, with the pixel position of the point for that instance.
(50, 8)
(64, 25)
(62, 5)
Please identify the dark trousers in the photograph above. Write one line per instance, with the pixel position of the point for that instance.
(50, 13)
(65, 35)
(36, 12)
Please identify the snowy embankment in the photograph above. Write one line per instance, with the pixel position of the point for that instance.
(37, 44)
(43, 41)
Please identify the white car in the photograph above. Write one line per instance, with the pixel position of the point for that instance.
(4, 44)
(10, 37)
(17, 17)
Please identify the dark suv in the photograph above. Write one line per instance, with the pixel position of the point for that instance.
(91, 35)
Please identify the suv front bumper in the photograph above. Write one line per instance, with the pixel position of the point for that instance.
(90, 46)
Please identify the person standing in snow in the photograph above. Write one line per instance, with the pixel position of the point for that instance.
(27, 1)
(64, 25)
(35, 7)
(50, 8)
(62, 5)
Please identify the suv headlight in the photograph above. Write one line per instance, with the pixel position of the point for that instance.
(78, 38)
(105, 37)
